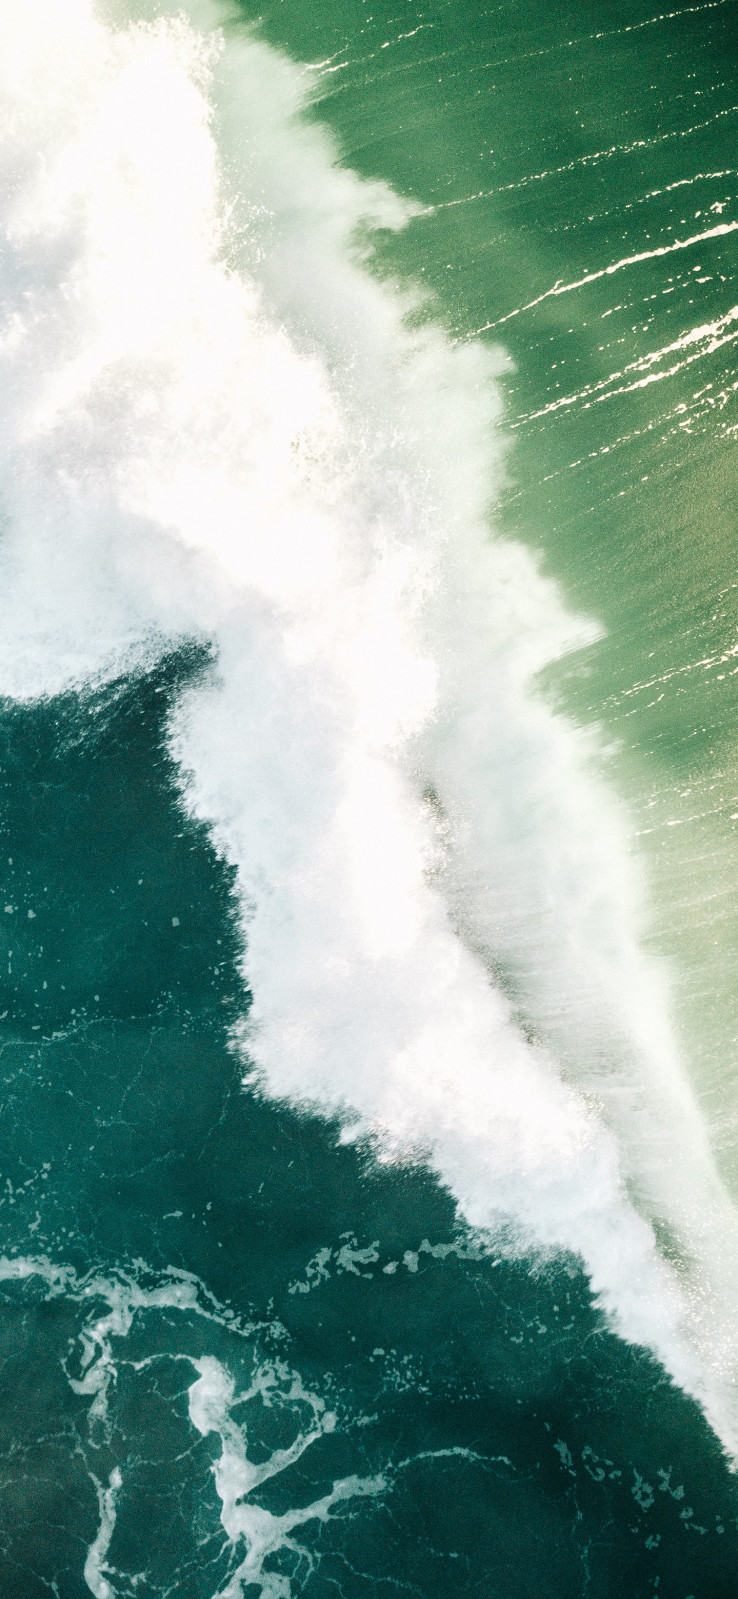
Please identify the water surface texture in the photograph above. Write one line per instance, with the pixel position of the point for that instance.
(368, 924)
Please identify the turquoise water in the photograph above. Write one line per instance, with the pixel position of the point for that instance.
(368, 802)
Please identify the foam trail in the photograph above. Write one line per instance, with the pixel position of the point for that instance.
(216, 422)
(95, 1567)
(211, 1398)
(135, 1297)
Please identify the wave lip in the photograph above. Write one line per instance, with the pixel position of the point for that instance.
(217, 422)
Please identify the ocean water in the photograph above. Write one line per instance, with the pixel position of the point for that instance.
(369, 913)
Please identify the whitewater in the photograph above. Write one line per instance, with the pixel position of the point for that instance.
(220, 424)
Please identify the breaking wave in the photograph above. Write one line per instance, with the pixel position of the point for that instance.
(218, 423)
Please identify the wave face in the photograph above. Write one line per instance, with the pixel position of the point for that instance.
(219, 425)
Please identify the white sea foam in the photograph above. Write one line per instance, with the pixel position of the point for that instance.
(254, 1534)
(211, 1400)
(95, 1567)
(216, 422)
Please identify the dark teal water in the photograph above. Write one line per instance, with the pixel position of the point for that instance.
(415, 1411)
(524, 1450)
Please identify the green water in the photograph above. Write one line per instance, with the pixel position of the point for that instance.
(551, 143)
(507, 1444)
